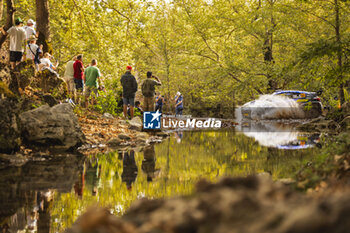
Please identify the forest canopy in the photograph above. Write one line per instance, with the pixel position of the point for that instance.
(216, 52)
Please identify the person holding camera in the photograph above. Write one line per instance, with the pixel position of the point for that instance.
(148, 91)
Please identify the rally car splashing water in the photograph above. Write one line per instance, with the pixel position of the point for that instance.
(282, 105)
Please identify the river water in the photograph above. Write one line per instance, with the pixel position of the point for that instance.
(49, 195)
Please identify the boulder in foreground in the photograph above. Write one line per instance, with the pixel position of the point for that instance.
(55, 128)
(252, 205)
(9, 132)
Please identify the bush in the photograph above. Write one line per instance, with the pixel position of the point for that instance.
(107, 101)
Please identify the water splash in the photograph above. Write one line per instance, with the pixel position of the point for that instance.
(270, 107)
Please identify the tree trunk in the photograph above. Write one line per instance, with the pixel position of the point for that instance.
(9, 19)
(267, 50)
(43, 24)
(167, 73)
(1, 8)
(340, 58)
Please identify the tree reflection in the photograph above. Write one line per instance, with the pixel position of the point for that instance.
(173, 169)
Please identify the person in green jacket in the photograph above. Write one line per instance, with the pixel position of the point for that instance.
(92, 81)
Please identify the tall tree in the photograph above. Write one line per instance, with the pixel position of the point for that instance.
(9, 19)
(1, 8)
(43, 24)
(339, 52)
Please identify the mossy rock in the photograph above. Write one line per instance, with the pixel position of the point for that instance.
(4, 90)
(22, 75)
(5, 74)
(49, 82)
(9, 129)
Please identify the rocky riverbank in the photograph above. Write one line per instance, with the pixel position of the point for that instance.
(105, 133)
(34, 117)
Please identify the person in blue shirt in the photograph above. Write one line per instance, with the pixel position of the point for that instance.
(159, 102)
(179, 104)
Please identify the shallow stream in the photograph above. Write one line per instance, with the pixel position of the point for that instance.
(49, 195)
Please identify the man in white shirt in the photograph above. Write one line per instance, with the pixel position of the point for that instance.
(69, 76)
(17, 39)
(30, 30)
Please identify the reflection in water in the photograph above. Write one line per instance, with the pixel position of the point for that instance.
(113, 179)
(149, 162)
(129, 168)
(279, 135)
(27, 195)
(178, 135)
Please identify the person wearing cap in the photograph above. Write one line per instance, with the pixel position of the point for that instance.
(30, 30)
(129, 84)
(17, 38)
(179, 104)
(33, 51)
(148, 91)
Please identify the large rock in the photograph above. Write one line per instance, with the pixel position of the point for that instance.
(253, 204)
(50, 82)
(55, 128)
(135, 124)
(5, 74)
(9, 132)
(19, 78)
(23, 74)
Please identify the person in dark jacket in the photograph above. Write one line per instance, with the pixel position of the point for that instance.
(129, 84)
(149, 162)
(129, 168)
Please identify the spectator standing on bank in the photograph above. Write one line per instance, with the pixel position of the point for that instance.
(159, 102)
(30, 30)
(78, 73)
(129, 84)
(33, 51)
(179, 104)
(69, 77)
(17, 38)
(148, 91)
(92, 80)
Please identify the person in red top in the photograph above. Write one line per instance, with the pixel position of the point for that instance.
(78, 73)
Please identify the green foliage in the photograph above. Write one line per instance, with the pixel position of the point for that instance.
(211, 51)
(107, 101)
(323, 164)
